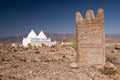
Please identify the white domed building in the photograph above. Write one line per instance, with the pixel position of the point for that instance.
(35, 40)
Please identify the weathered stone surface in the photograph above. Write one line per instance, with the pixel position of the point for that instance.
(90, 38)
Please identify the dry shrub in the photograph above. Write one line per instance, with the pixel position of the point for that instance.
(108, 71)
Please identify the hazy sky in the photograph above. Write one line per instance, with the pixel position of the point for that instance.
(57, 16)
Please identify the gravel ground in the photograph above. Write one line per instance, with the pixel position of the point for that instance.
(23, 64)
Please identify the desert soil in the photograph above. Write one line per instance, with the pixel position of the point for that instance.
(18, 63)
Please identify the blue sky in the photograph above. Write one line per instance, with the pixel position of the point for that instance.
(18, 17)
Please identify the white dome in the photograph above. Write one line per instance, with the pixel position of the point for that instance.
(41, 35)
(32, 34)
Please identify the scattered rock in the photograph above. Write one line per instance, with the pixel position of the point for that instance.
(36, 60)
(114, 51)
(18, 66)
(40, 78)
(13, 45)
(74, 65)
(52, 50)
(2, 56)
(36, 51)
(117, 77)
(83, 76)
(30, 72)
(2, 67)
(117, 47)
(46, 58)
(109, 65)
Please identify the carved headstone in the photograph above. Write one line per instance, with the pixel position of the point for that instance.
(90, 38)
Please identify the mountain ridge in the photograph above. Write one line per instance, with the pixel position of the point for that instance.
(53, 36)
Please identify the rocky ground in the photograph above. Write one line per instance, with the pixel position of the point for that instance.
(18, 63)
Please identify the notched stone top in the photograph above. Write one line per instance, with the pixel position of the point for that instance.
(100, 13)
(90, 15)
(78, 16)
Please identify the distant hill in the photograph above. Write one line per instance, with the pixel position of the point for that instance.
(53, 36)
(115, 36)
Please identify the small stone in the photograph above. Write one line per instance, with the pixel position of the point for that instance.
(83, 76)
(74, 65)
(114, 51)
(2, 57)
(46, 58)
(37, 60)
(30, 72)
(109, 65)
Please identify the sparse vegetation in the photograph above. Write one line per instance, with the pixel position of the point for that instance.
(60, 61)
(1, 60)
(74, 45)
(108, 71)
(112, 59)
(20, 58)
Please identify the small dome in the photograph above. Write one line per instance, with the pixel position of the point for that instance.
(32, 34)
(41, 35)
